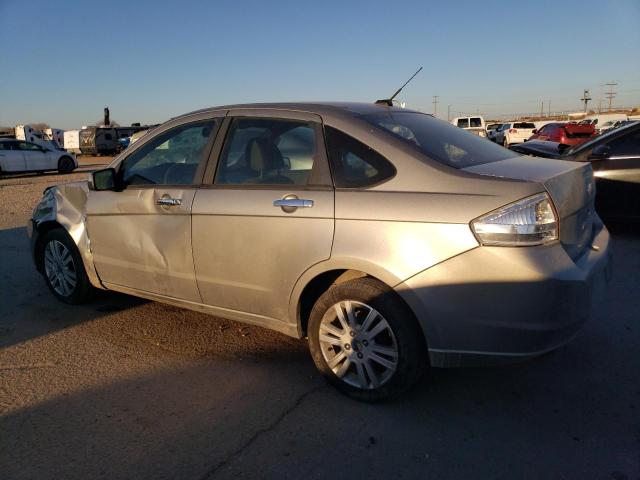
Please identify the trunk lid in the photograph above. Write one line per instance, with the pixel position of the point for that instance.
(570, 185)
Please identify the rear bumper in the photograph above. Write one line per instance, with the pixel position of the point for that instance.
(496, 304)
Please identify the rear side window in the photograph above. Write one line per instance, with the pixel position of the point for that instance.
(354, 164)
(265, 151)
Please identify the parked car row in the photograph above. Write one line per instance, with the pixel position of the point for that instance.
(615, 159)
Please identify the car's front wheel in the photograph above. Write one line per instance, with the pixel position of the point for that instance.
(63, 269)
(366, 341)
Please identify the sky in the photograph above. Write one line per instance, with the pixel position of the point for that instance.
(148, 61)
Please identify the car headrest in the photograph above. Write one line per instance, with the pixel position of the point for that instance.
(263, 155)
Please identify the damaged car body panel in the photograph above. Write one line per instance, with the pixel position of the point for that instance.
(64, 206)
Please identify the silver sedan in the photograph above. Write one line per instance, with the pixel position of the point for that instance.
(390, 239)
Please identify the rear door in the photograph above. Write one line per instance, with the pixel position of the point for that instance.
(11, 157)
(265, 213)
(35, 157)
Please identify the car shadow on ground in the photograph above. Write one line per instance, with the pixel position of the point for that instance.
(199, 412)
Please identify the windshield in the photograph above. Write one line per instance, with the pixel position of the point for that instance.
(440, 140)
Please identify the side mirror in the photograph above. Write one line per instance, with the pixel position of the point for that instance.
(601, 152)
(104, 179)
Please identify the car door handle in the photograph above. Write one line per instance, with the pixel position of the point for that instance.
(293, 203)
(169, 202)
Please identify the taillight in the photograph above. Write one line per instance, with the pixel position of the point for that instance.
(530, 221)
(513, 130)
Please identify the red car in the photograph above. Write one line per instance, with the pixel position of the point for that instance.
(565, 133)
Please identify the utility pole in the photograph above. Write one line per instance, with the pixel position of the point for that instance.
(610, 94)
(586, 98)
(435, 105)
(549, 107)
(541, 108)
(448, 113)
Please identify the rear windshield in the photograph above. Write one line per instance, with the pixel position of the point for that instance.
(524, 125)
(463, 122)
(439, 140)
(476, 122)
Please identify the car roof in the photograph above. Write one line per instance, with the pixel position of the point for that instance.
(319, 108)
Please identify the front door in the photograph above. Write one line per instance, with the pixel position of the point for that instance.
(11, 156)
(267, 216)
(141, 236)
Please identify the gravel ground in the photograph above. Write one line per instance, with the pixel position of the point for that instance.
(125, 388)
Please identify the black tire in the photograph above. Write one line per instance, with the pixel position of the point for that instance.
(79, 293)
(412, 359)
(66, 165)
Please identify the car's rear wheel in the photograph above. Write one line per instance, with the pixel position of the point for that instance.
(66, 165)
(63, 269)
(505, 144)
(366, 341)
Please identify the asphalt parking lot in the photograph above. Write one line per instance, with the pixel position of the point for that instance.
(126, 388)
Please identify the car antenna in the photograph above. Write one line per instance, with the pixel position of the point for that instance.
(389, 101)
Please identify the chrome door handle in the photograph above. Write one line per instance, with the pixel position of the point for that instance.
(293, 203)
(169, 202)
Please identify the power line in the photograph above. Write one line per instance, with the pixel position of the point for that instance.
(586, 97)
(610, 94)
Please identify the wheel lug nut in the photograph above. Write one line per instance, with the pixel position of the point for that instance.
(359, 355)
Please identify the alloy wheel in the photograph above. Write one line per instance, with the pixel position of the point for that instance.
(60, 268)
(358, 344)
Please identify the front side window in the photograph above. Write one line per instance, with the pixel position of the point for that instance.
(354, 164)
(266, 151)
(439, 140)
(171, 158)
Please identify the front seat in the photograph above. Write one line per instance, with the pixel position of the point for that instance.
(265, 160)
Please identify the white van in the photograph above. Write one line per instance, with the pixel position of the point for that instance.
(473, 124)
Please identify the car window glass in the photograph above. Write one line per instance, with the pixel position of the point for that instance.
(354, 164)
(171, 158)
(523, 125)
(626, 146)
(27, 146)
(476, 122)
(463, 122)
(438, 140)
(264, 151)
